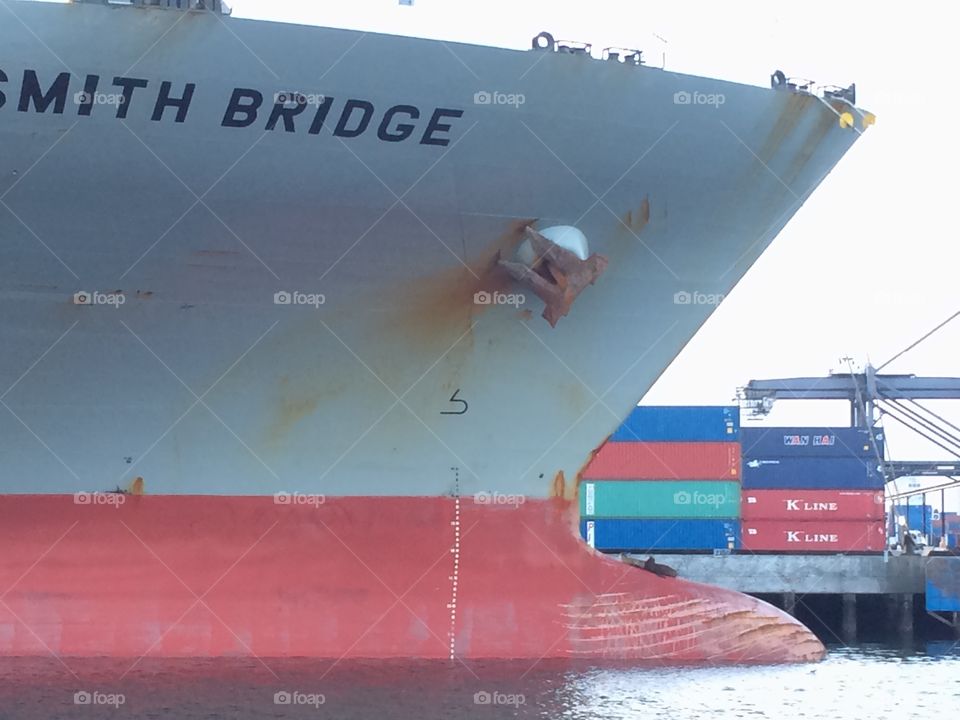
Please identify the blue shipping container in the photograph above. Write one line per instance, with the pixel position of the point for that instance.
(678, 423)
(659, 535)
(773, 442)
(808, 473)
(943, 584)
(951, 540)
(918, 517)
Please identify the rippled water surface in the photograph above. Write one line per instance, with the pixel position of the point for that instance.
(868, 683)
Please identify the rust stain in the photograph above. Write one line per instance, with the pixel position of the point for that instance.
(576, 396)
(558, 487)
(569, 493)
(136, 487)
(433, 311)
(810, 145)
(525, 314)
(785, 124)
(291, 410)
(770, 154)
(637, 222)
(624, 239)
(432, 314)
(429, 316)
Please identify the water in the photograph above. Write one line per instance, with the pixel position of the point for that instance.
(864, 683)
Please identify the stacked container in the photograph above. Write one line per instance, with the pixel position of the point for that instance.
(953, 530)
(928, 521)
(668, 479)
(922, 518)
(811, 489)
(950, 524)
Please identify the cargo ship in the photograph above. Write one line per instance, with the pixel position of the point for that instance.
(308, 333)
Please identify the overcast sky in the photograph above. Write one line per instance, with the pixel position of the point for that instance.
(869, 263)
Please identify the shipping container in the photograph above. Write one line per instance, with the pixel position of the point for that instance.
(952, 522)
(805, 473)
(813, 505)
(814, 536)
(772, 442)
(619, 535)
(936, 536)
(943, 584)
(660, 499)
(666, 461)
(649, 423)
(917, 517)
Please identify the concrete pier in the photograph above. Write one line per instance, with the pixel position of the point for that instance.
(849, 618)
(905, 621)
(803, 574)
(829, 592)
(790, 603)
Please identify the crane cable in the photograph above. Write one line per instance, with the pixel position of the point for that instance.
(913, 345)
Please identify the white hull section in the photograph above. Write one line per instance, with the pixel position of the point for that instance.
(201, 384)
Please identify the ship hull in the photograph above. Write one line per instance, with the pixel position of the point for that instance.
(401, 396)
(353, 577)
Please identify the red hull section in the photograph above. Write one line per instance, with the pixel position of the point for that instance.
(811, 505)
(666, 461)
(815, 536)
(354, 577)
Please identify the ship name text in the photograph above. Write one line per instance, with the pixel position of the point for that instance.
(241, 107)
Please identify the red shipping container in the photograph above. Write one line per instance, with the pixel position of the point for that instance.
(666, 461)
(812, 505)
(814, 536)
(953, 521)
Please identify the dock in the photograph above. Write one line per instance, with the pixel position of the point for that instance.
(909, 587)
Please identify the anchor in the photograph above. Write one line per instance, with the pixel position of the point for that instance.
(556, 274)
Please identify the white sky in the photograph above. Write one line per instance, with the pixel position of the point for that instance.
(869, 264)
